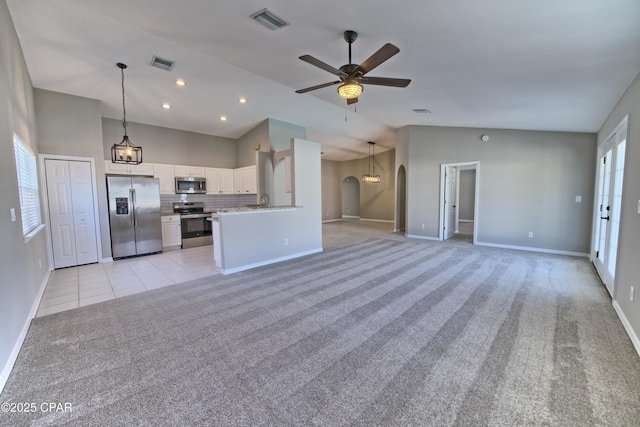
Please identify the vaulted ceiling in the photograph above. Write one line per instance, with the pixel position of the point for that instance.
(529, 64)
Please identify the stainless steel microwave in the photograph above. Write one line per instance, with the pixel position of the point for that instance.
(190, 185)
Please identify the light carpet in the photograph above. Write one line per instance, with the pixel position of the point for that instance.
(386, 332)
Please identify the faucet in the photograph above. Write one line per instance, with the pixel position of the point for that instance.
(264, 200)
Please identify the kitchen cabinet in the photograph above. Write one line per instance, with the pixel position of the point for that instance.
(171, 232)
(166, 177)
(195, 171)
(219, 181)
(245, 180)
(145, 169)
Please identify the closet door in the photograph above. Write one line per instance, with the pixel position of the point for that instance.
(71, 213)
(83, 213)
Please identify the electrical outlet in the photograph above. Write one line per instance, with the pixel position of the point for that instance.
(39, 263)
(632, 293)
(422, 226)
(578, 199)
(286, 242)
(13, 213)
(531, 234)
(327, 214)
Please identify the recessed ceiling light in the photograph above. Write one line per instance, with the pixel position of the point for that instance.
(181, 82)
(242, 100)
(166, 105)
(223, 118)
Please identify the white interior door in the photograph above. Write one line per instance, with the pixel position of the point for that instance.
(450, 197)
(608, 207)
(71, 213)
(83, 214)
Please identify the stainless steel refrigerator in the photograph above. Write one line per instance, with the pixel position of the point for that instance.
(134, 216)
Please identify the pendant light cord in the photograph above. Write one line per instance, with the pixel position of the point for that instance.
(124, 109)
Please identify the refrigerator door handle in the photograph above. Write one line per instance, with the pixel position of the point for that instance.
(133, 206)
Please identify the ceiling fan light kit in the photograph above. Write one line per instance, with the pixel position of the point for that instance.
(350, 90)
(352, 76)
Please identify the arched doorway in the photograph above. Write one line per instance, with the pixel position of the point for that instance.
(401, 199)
(351, 197)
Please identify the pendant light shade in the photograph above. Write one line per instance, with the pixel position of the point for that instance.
(371, 177)
(125, 151)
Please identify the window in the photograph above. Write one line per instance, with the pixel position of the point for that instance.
(27, 186)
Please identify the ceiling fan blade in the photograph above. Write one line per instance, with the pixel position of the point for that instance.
(385, 81)
(309, 89)
(352, 101)
(384, 53)
(314, 61)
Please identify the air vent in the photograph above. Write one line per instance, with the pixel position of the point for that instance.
(269, 19)
(421, 111)
(163, 64)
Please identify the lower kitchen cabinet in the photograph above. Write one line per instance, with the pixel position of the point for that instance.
(171, 232)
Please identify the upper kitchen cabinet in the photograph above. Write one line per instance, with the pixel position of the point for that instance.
(165, 174)
(245, 180)
(145, 169)
(219, 181)
(195, 171)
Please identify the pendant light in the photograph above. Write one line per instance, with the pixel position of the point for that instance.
(125, 152)
(371, 177)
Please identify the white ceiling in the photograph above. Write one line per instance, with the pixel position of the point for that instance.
(528, 64)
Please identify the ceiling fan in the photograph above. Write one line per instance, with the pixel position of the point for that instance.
(353, 76)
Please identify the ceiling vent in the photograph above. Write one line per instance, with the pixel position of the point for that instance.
(421, 111)
(163, 64)
(269, 19)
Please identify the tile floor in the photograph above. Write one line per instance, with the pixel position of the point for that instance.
(74, 287)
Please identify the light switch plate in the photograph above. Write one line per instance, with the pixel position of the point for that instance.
(578, 199)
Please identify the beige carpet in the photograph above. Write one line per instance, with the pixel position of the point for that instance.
(388, 332)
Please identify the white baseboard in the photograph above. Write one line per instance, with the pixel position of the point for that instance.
(110, 259)
(416, 236)
(350, 217)
(331, 220)
(533, 249)
(466, 220)
(8, 366)
(267, 262)
(627, 326)
(377, 220)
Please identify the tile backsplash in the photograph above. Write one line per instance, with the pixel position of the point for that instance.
(211, 201)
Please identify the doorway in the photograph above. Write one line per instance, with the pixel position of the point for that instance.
(611, 159)
(459, 183)
(70, 198)
(351, 198)
(401, 199)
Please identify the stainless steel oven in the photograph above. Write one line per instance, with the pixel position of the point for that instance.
(194, 224)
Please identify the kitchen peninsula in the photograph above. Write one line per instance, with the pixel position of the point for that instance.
(245, 238)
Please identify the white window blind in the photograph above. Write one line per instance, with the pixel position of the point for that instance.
(27, 185)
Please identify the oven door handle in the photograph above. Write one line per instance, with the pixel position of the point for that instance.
(195, 216)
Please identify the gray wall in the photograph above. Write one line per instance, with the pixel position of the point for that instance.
(528, 182)
(22, 275)
(467, 193)
(246, 153)
(330, 190)
(628, 268)
(59, 116)
(377, 201)
(172, 146)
